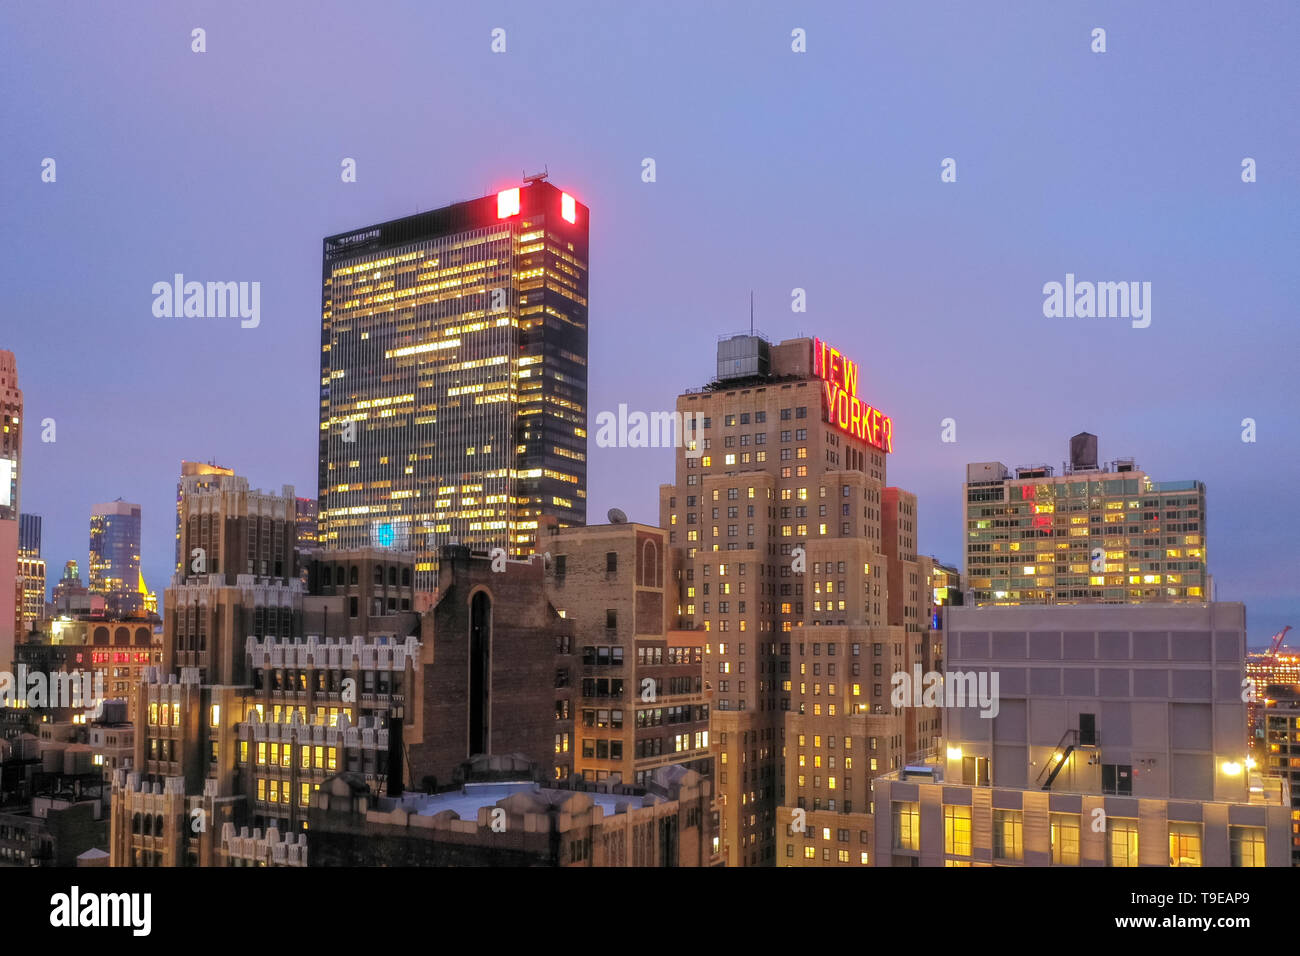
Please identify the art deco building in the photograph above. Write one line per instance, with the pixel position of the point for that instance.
(212, 475)
(1090, 535)
(800, 567)
(453, 387)
(240, 579)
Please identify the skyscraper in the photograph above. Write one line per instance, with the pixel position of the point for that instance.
(115, 556)
(453, 388)
(1092, 535)
(800, 566)
(11, 454)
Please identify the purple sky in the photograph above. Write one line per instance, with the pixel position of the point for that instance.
(775, 170)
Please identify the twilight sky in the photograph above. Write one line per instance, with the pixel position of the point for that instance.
(775, 170)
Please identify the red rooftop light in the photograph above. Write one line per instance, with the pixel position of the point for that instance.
(568, 208)
(508, 203)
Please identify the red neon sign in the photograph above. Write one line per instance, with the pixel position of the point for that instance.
(508, 203)
(840, 403)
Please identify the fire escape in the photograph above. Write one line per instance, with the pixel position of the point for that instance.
(1085, 739)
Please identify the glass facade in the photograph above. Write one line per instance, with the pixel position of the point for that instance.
(453, 398)
(115, 556)
(1111, 537)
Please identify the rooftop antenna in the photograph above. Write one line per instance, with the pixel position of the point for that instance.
(538, 177)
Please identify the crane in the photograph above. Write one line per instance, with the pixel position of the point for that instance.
(1276, 645)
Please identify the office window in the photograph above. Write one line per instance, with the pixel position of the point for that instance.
(956, 830)
(1184, 844)
(1008, 835)
(1247, 845)
(907, 826)
(1123, 842)
(1065, 838)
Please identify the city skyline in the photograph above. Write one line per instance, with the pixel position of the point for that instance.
(931, 286)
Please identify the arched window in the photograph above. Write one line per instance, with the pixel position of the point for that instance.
(406, 577)
(158, 825)
(379, 574)
(135, 823)
(392, 576)
(352, 577)
(325, 575)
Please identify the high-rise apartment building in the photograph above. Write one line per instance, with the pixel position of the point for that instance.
(1091, 535)
(453, 387)
(211, 475)
(11, 454)
(791, 545)
(115, 556)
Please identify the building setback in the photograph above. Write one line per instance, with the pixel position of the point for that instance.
(453, 387)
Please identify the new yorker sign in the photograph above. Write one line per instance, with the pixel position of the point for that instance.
(840, 403)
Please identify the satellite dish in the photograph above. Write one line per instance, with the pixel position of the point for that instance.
(616, 516)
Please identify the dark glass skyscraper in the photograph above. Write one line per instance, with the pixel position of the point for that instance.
(115, 556)
(453, 397)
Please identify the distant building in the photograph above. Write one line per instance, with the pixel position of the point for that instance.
(1091, 535)
(31, 582)
(29, 534)
(71, 597)
(115, 556)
